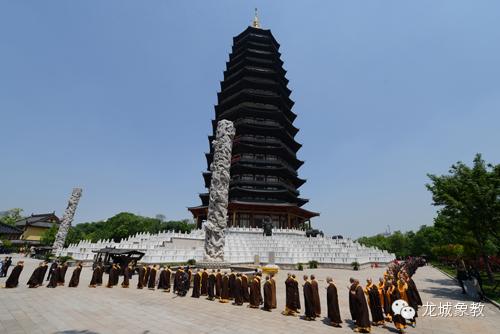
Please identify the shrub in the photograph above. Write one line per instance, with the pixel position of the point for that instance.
(300, 266)
(313, 264)
(64, 258)
(191, 262)
(355, 265)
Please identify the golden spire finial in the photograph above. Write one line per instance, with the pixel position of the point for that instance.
(256, 23)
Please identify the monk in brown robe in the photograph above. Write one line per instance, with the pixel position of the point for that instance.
(371, 291)
(332, 301)
(290, 297)
(255, 292)
(224, 297)
(168, 276)
(152, 278)
(259, 292)
(204, 282)
(360, 308)
(113, 273)
(126, 276)
(53, 266)
(211, 286)
(316, 301)
(34, 281)
(393, 295)
(54, 278)
(162, 279)
(238, 295)
(310, 313)
(13, 280)
(232, 280)
(146, 276)
(218, 284)
(95, 276)
(75, 276)
(274, 303)
(62, 274)
(244, 288)
(141, 276)
(177, 276)
(268, 295)
(190, 274)
(196, 285)
(352, 303)
(413, 295)
(43, 272)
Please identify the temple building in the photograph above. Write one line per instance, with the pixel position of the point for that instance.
(254, 96)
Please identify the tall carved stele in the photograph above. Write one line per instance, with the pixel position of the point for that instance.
(66, 220)
(219, 189)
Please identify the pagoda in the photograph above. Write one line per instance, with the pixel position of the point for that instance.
(254, 96)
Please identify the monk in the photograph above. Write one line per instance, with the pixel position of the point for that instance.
(141, 277)
(62, 274)
(360, 309)
(13, 280)
(183, 283)
(413, 295)
(177, 278)
(126, 276)
(332, 301)
(310, 313)
(196, 285)
(290, 297)
(274, 303)
(316, 300)
(244, 288)
(95, 276)
(34, 281)
(145, 279)
(372, 293)
(162, 279)
(100, 274)
(75, 276)
(152, 278)
(168, 275)
(259, 292)
(204, 282)
(255, 292)
(53, 266)
(211, 286)
(352, 303)
(116, 279)
(232, 280)
(54, 278)
(43, 272)
(393, 295)
(238, 295)
(224, 297)
(113, 273)
(268, 295)
(190, 274)
(218, 284)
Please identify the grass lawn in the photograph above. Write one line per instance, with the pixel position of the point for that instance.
(489, 289)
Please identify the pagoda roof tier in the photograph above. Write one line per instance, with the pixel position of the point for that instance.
(261, 185)
(250, 126)
(281, 151)
(256, 84)
(262, 109)
(239, 111)
(252, 58)
(256, 34)
(255, 72)
(255, 44)
(242, 206)
(257, 96)
(276, 196)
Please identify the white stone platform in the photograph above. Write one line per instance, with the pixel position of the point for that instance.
(242, 245)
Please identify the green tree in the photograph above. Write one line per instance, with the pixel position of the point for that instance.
(469, 198)
(11, 216)
(49, 236)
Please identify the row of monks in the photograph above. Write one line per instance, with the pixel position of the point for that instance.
(375, 299)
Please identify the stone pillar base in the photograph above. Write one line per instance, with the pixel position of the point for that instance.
(213, 265)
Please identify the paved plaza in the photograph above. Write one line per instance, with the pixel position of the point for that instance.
(118, 310)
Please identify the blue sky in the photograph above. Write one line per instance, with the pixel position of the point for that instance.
(117, 97)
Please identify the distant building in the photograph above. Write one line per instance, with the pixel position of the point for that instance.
(9, 232)
(34, 226)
